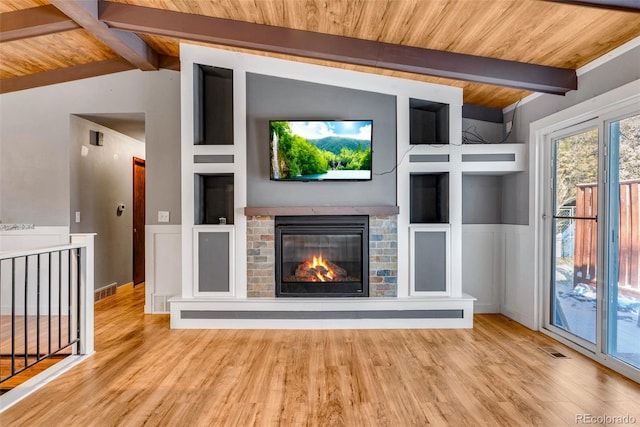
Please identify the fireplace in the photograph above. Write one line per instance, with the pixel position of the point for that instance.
(322, 256)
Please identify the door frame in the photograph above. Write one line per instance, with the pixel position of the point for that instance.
(604, 107)
(138, 162)
(549, 238)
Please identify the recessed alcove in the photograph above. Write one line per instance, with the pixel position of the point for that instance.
(213, 198)
(428, 122)
(213, 105)
(429, 201)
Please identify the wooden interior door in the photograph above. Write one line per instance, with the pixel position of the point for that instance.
(138, 219)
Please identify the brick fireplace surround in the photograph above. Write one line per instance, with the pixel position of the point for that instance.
(383, 256)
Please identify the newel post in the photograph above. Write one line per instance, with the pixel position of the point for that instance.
(86, 295)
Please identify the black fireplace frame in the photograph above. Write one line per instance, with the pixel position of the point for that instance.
(322, 224)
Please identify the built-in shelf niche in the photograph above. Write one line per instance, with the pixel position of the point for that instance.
(428, 122)
(213, 109)
(482, 199)
(213, 198)
(429, 198)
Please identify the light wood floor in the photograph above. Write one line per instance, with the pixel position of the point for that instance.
(52, 334)
(146, 374)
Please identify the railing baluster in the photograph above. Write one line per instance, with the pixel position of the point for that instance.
(69, 297)
(59, 299)
(13, 316)
(78, 298)
(1, 316)
(49, 305)
(21, 318)
(38, 308)
(26, 311)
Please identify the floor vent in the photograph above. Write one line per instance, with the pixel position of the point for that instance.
(105, 292)
(553, 353)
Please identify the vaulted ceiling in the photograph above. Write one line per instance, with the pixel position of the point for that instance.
(498, 51)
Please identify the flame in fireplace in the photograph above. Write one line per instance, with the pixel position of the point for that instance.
(322, 269)
(319, 269)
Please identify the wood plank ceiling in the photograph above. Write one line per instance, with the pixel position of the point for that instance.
(67, 39)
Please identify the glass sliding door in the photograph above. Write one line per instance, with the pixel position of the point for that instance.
(623, 273)
(574, 234)
(590, 179)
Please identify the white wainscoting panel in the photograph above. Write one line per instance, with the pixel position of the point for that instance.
(520, 300)
(163, 264)
(483, 266)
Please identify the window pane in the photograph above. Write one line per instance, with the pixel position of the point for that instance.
(623, 329)
(575, 251)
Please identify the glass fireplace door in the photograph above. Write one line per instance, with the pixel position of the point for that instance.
(321, 259)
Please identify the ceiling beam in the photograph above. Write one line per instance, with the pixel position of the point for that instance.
(349, 50)
(129, 46)
(34, 22)
(77, 72)
(62, 75)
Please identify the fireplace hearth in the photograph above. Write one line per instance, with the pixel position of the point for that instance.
(322, 256)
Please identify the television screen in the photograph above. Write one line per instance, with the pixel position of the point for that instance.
(323, 150)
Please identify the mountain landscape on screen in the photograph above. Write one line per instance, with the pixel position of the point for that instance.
(329, 150)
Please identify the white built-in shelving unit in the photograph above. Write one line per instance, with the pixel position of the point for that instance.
(431, 162)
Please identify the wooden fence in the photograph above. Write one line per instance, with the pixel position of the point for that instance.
(585, 254)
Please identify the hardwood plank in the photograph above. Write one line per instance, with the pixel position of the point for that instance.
(494, 374)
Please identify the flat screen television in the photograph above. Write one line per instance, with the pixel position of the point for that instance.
(321, 150)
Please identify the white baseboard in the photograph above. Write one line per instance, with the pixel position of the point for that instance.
(486, 308)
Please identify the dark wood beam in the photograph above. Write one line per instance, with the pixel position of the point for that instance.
(335, 48)
(62, 75)
(129, 46)
(34, 22)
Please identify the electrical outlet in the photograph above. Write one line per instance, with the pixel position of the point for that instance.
(163, 216)
(508, 126)
(77, 217)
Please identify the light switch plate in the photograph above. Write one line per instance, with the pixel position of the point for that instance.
(163, 216)
(77, 216)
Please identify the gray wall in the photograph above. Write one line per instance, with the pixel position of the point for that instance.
(494, 199)
(489, 131)
(102, 178)
(272, 98)
(35, 140)
(481, 199)
(615, 73)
